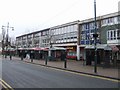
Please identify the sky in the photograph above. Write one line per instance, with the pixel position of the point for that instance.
(32, 15)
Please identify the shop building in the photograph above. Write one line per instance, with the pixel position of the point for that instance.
(107, 29)
(75, 36)
(66, 35)
(63, 36)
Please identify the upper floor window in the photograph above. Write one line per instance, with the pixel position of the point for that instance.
(92, 25)
(108, 21)
(118, 19)
(43, 33)
(24, 38)
(85, 26)
(113, 34)
(36, 35)
(118, 34)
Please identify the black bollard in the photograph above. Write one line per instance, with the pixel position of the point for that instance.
(10, 57)
(65, 63)
(31, 59)
(21, 57)
(46, 61)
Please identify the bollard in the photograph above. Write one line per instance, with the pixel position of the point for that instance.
(31, 59)
(10, 57)
(21, 57)
(65, 63)
(46, 61)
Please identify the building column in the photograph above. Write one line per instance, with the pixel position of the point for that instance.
(85, 54)
(27, 41)
(79, 28)
(49, 53)
(40, 41)
(32, 40)
(78, 52)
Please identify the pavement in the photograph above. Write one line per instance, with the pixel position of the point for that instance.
(79, 67)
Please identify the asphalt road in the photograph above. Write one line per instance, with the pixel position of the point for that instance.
(19, 74)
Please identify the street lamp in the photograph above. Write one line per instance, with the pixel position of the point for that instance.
(3, 40)
(95, 35)
(7, 43)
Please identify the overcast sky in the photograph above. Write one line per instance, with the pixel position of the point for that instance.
(33, 15)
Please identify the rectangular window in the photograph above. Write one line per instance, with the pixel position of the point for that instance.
(75, 27)
(83, 27)
(56, 31)
(104, 22)
(118, 19)
(118, 34)
(86, 26)
(114, 34)
(108, 34)
(92, 25)
(111, 35)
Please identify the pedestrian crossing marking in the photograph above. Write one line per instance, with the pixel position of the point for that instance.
(5, 85)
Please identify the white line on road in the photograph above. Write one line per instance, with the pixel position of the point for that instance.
(5, 85)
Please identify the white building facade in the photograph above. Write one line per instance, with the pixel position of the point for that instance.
(75, 36)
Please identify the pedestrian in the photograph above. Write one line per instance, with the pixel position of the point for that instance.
(32, 55)
(22, 55)
(115, 60)
(27, 56)
(10, 55)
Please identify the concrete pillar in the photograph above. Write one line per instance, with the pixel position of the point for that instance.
(84, 54)
(32, 40)
(49, 53)
(78, 52)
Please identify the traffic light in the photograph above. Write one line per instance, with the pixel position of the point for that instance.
(95, 35)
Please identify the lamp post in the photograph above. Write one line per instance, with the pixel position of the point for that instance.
(95, 35)
(3, 40)
(7, 43)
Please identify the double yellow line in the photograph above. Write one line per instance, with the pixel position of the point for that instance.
(5, 85)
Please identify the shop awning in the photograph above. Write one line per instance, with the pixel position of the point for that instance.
(104, 47)
(57, 48)
(107, 48)
(20, 48)
(114, 48)
(98, 46)
(36, 48)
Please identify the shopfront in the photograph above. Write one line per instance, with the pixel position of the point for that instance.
(71, 52)
(105, 54)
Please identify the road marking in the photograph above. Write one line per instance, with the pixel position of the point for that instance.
(104, 78)
(87, 75)
(5, 85)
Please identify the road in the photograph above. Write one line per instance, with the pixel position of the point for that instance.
(19, 74)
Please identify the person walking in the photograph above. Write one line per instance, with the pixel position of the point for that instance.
(10, 55)
(22, 54)
(32, 56)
